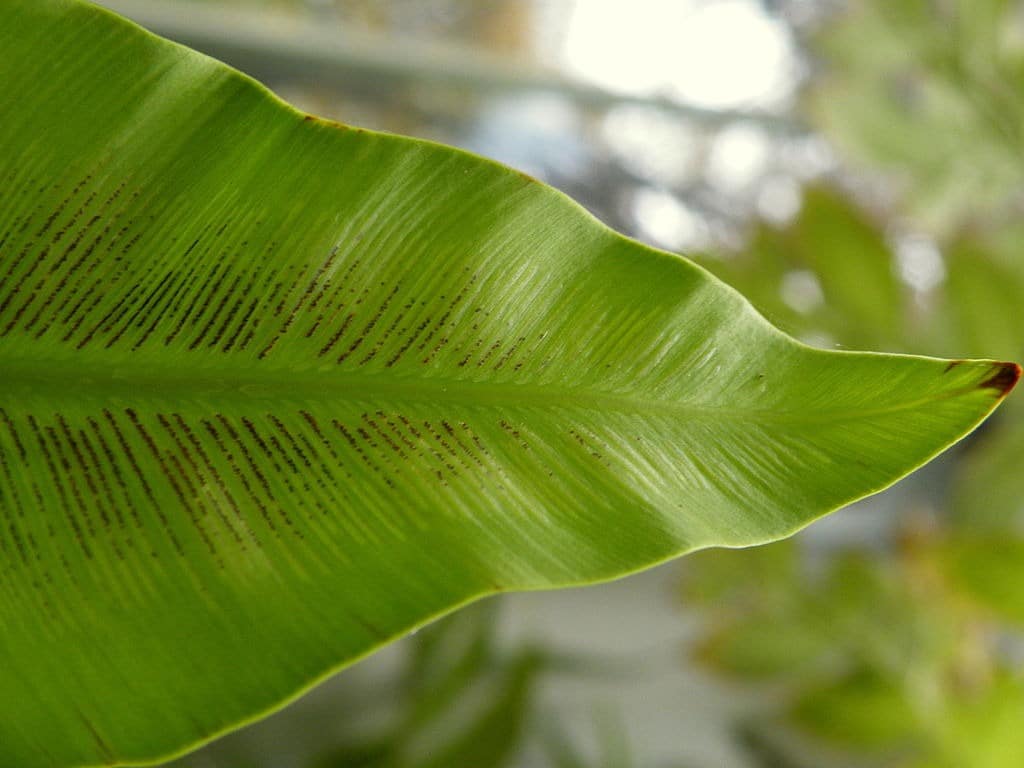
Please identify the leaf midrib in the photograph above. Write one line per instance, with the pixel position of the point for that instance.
(63, 379)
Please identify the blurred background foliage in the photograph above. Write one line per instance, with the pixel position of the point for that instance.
(854, 168)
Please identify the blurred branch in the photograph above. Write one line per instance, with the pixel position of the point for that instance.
(283, 47)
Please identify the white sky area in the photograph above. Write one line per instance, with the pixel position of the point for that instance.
(717, 54)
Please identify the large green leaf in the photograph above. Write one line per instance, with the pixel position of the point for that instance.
(275, 391)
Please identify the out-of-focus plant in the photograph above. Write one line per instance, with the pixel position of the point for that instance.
(887, 658)
(908, 655)
(929, 91)
(462, 702)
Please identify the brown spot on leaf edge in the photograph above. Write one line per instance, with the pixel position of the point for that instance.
(307, 118)
(1003, 379)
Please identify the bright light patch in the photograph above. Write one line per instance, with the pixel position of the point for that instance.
(920, 263)
(779, 199)
(667, 222)
(723, 54)
(739, 157)
(650, 143)
(801, 291)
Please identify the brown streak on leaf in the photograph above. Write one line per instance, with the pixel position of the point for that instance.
(1003, 379)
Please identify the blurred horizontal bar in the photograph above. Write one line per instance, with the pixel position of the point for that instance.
(278, 47)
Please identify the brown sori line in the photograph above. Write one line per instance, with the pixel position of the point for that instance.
(266, 291)
(173, 307)
(68, 226)
(65, 280)
(216, 313)
(289, 320)
(91, 333)
(508, 355)
(198, 512)
(303, 477)
(247, 455)
(491, 460)
(586, 445)
(142, 479)
(13, 493)
(181, 289)
(337, 334)
(100, 505)
(14, 434)
(279, 307)
(230, 458)
(7, 234)
(379, 344)
(86, 474)
(15, 263)
(453, 304)
(462, 446)
(514, 432)
(198, 303)
(242, 323)
(129, 503)
(295, 446)
(372, 423)
(306, 461)
(162, 461)
(254, 433)
(84, 314)
(161, 305)
(59, 235)
(76, 265)
(439, 438)
(97, 467)
(427, 444)
(308, 418)
(354, 444)
(208, 291)
(93, 268)
(231, 313)
(123, 308)
(108, 754)
(25, 225)
(488, 354)
(469, 355)
(53, 270)
(409, 341)
(154, 296)
(325, 287)
(198, 447)
(55, 477)
(398, 432)
(311, 286)
(19, 543)
(187, 455)
(368, 328)
(335, 304)
(168, 310)
(76, 491)
(38, 260)
(396, 468)
(63, 205)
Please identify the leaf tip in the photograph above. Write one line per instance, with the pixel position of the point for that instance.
(1003, 379)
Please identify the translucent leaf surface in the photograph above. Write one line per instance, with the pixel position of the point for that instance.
(274, 391)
